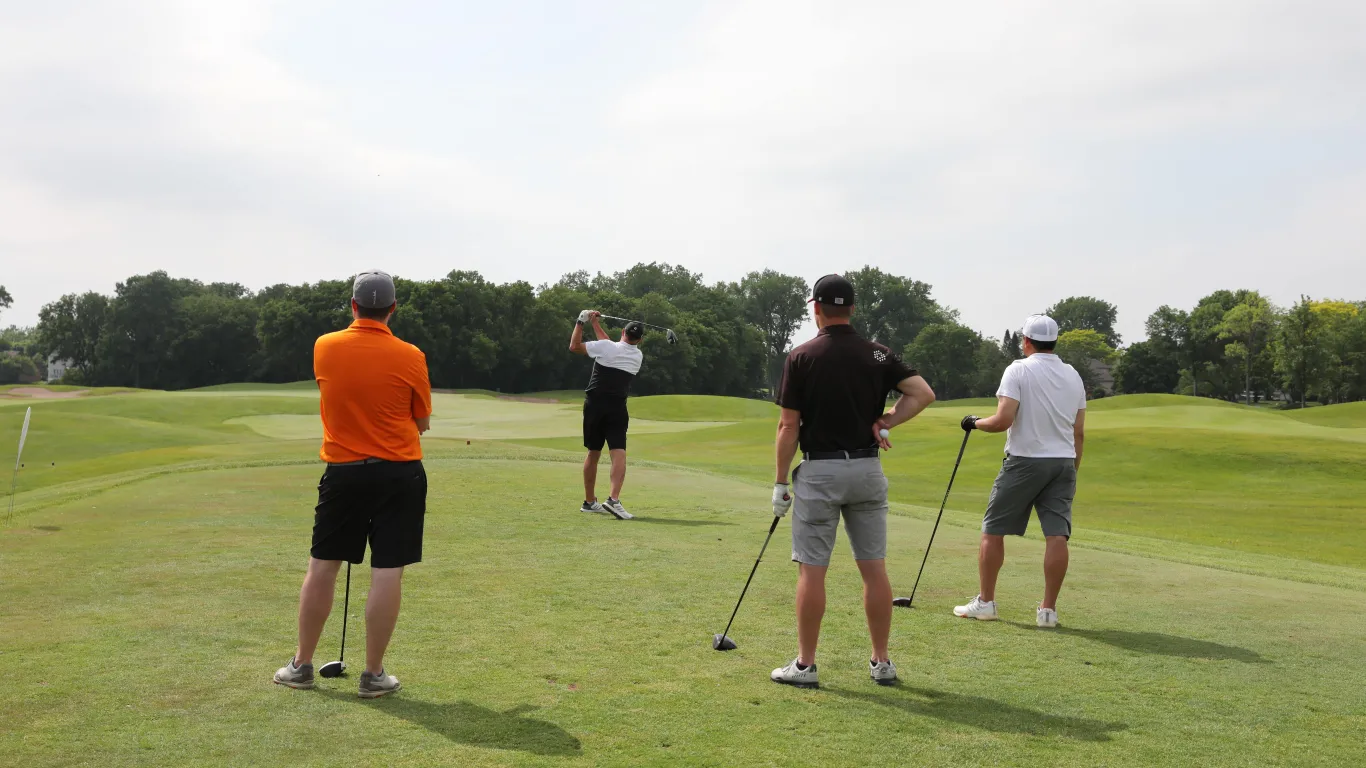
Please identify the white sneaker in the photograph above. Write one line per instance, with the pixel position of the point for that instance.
(977, 608)
(1048, 618)
(592, 507)
(615, 509)
(882, 672)
(792, 675)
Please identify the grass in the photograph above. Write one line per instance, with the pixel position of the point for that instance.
(149, 594)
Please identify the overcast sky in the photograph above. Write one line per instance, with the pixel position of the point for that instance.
(1009, 153)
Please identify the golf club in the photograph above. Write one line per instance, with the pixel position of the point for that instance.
(338, 668)
(905, 602)
(668, 332)
(722, 642)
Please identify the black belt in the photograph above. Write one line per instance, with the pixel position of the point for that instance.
(866, 453)
(358, 463)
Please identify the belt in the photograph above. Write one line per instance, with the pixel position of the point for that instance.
(866, 453)
(359, 463)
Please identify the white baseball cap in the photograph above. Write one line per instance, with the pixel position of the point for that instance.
(1040, 328)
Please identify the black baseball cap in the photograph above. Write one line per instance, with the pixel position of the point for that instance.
(634, 331)
(834, 290)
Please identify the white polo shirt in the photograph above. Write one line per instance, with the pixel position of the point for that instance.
(1050, 393)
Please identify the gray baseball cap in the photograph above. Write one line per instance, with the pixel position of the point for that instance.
(373, 290)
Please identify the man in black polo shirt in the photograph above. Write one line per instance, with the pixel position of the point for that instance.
(605, 418)
(833, 395)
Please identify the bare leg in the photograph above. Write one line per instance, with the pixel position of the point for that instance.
(877, 604)
(381, 614)
(590, 475)
(618, 471)
(810, 610)
(990, 557)
(315, 604)
(1054, 569)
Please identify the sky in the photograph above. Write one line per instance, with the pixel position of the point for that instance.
(1008, 152)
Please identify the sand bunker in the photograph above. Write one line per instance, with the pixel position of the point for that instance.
(38, 393)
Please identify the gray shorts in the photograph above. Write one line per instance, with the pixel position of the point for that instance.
(1046, 485)
(821, 491)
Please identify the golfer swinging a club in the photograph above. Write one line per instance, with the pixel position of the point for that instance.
(605, 419)
(1042, 409)
(376, 401)
(833, 395)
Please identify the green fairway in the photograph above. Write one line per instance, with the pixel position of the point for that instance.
(1215, 613)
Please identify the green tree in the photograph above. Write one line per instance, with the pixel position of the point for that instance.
(1080, 348)
(1010, 345)
(775, 304)
(1086, 313)
(6, 300)
(1299, 358)
(72, 327)
(947, 356)
(1248, 326)
(893, 310)
(1146, 367)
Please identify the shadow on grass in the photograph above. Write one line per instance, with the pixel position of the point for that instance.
(677, 521)
(48, 528)
(984, 713)
(1158, 644)
(466, 723)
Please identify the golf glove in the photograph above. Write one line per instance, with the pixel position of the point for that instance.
(583, 316)
(969, 423)
(782, 499)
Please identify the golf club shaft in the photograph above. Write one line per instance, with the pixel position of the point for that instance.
(923, 560)
(346, 609)
(642, 322)
(13, 486)
(767, 538)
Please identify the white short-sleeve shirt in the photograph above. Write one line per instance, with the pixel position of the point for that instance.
(1050, 393)
(615, 354)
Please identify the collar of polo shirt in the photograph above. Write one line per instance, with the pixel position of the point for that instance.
(374, 325)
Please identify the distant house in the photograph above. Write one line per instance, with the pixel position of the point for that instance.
(56, 368)
(1105, 378)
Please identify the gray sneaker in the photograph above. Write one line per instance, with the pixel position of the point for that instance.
(882, 672)
(592, 507)
(300, 676)
(375, 686)
(614, 508)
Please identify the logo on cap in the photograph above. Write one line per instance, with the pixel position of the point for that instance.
(879, 356)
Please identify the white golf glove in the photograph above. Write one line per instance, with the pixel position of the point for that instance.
(782, 499)
(583, 316)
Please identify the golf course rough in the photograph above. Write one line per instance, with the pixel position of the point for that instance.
(1214, 614)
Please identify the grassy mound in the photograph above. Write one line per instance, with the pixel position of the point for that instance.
(701, 408)
(1348, 415)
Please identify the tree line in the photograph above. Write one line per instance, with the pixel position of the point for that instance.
(156, 331)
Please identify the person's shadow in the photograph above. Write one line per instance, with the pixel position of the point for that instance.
(679, 521)
(467, 723)
(1158, 644)
(984, 713)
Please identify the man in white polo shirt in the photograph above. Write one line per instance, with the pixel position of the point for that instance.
(1041, 406)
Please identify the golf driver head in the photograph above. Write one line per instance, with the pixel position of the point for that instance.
(902, 602)
(333, 669)
(671, 336)
(720, 642)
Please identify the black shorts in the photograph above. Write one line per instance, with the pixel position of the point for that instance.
(605, 421)
(384, 503)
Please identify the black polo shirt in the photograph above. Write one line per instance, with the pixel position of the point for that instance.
(839, 381)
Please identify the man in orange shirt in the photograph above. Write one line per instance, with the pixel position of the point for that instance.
(376, 401)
